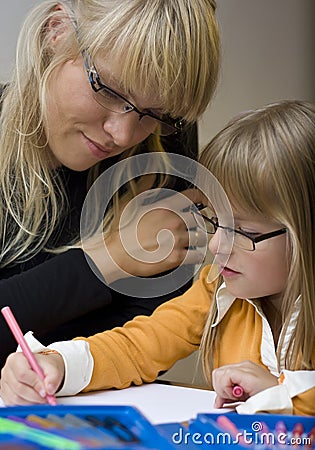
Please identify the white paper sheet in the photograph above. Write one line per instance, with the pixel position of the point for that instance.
(159, 403)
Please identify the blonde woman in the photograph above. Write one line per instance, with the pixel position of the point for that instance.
(260, 329)
(94, 82)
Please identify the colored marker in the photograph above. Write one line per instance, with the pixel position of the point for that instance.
(267, 437)
(280, 427)
(42, 438)
(297, 432)
(26, 421)
(311, 437)
(238, 391)
(104, 436)
(71, 431)
(42, 422)
(17, 444)
(114, 426)
(226, 424)
(84, 432)
(17, 333)
(281, 433)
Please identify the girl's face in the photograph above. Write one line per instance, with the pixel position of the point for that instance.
(81, 132)
(259, 273)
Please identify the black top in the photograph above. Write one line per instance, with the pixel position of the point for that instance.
(59, 297)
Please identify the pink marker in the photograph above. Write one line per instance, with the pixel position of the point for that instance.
(238, 391)
(17, 333)
(297, 432)
(226, 424)
(311, 436)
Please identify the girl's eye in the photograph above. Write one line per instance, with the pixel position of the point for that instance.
(252, 234)
(209, 212)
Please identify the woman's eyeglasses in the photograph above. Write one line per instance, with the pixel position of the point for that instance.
(115, 102)
(241, 239)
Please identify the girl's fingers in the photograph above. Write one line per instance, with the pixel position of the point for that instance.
(52, 383)
(252, 377)
(20, 394)
(219, 402)
(54, 370)
(223, 384)
(19, 383)
(30, 387)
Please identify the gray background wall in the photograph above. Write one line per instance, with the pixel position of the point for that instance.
(268, 55)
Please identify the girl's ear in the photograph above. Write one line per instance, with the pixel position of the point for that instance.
(57, 26)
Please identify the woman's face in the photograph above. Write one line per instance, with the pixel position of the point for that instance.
(81, 132)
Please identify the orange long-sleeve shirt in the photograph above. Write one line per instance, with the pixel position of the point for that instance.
(142, 348)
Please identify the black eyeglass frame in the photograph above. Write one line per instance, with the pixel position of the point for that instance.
(195, 210)
(176, 125)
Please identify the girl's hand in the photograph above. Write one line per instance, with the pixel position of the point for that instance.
(20, 385)
(251, 377)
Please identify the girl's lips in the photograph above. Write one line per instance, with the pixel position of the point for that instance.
(226, 272)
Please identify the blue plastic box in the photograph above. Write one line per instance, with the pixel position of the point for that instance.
(125, 428)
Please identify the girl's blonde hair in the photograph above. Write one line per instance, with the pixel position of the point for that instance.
(264, 160)
(168, 47)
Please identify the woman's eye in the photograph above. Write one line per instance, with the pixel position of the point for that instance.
(156, 113)
(107, 94)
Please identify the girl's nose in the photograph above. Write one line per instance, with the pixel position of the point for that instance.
(124, 129)
(220, 242)
(213, 244)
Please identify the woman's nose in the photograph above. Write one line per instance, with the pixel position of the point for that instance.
(123, 128)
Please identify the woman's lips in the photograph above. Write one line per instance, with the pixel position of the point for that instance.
(97, 150)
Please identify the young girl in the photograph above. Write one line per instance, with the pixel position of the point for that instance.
(260, 328)
(95, 81)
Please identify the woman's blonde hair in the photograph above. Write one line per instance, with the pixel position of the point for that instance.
(171, 47)
(265, 161)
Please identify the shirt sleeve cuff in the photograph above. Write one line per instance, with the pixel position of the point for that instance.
(298, 381)
(78, 365)
(274, 400)
(77, 359)
(277, 399)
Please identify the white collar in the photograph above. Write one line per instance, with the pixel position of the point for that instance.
(225, 300)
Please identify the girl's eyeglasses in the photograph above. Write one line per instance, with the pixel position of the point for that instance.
(115, 102)
(241, 239)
